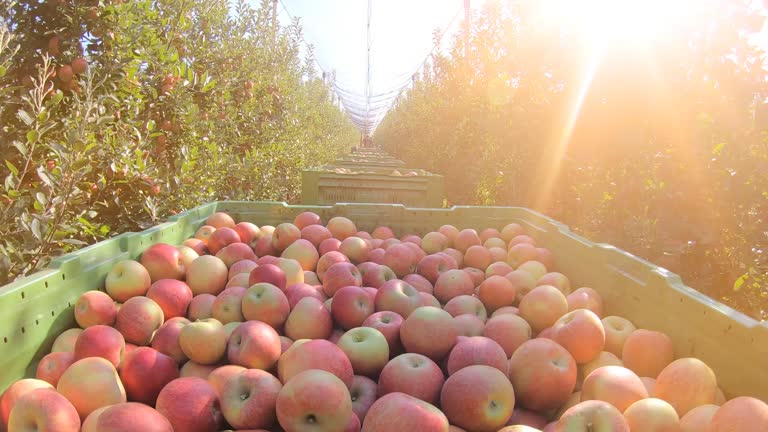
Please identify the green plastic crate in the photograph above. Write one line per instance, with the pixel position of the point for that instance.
(37, 308)
(374, 169)
(324, 187)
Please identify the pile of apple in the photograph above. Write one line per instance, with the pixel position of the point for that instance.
(312, 327)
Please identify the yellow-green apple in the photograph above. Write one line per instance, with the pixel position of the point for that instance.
(434, 242)
(292, 269)
(228, 305)
(465, 239)
(201, 307)
(367, 350)
(316, 234)
(647, 352)
(254, 345)
(340, 275)
(232, 253)
(432, 266)
(91, 383)
(248, 399)
(263, 246)
(305, 219)
(230, 327)
(457, 256)
(617, 330)
(511, 231)
(580, 332)
(285, 234)
(374, 275)
(397, 296)
(53, 365)
(543, 306)
(248, 232)
(545, 256)
(686, 383)
(314, 400)
(496, 292)
(204, 233)
(419, 282)
(241, 267)
(401, 259)
(220, 220)
(163, 261)
(199, 246)
(309, 319)
(187, 255)
(304, 252)
(418, 253)
(173, 296)
(66, 340)
(314, 354)
(543, 374)
(428, 331)
(207, 275)
(477, 256)
(522, 281)
(356, 249)
(329, 245)
(298, 291)
(127, 279)
(144, 372)
(191, 405)
(382, 233)
(327, 260)
(521, 253)
(477, 350)
(16, 391)
(267, 303)
(453, 283)
(616, 385)
(43, 410)
(95, 308)
(742, 413)
(468, 325)
(341, 227)
(388, 323)
(466, 304)
(350, 306)
(603, 359)
(652, 415)
(203, 341)
(166, 339)
(400, 412)
(557, 280)
(592, 416)
(498, 254)
(100, 341)
(535, 268)
(699, 419)
(498, 268)
(495, 242)
(267, 229)
(478, 398)
(268, 273)
(192, 369)
(476, 275)
(222, 237)
(311, 278)
(138, 319)
(363, 393)
(126, 416)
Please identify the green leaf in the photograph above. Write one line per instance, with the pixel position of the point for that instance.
(32, 136)
(75, 242)
(35, 227)
(12, 167)
(25, 117)
(40, 197)
(20, 147)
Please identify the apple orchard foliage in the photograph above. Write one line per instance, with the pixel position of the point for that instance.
(181, 103)
(656, 158)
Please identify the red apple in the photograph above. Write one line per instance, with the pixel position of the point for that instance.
(263, 246)
(543, 374)
(647, 352)
(305, 219)
(95, 308)
(356, 249)
(520, 253)
(468, 325)
(144, 372)
(616, 385)
(268, 273)
(304, 253)
(457, 256)
(248, 232)
(248, 398)
(220, 220)
(465, 239)
(329, 245)
(166, 339)
(309, 319)
(382, 233)
(351, 305)
(254, 345)
(741, 414)
(496, 292)
(91, 383)
(580, 332)
(617, 330)
(652, 415)
(232, 253)
(388, 323)
(191, 405)
(432, 266)
(126, 416)
(127, 279)
(341, 227)
(477, 350)
(314, 400)
(592, 416)
(478, 256)
(699, 419)
(197, 370)
(296, 292)
(100, 341)
(498, 268)
(314, 354)
(327, 260)
(43, 410)
(316, 234)
(428, 331)
(413, 374)
(241, 267)
(201, 307)
(401, 259)
(163, 261)
(14, 392)
(478, 398)
(453, 283)
(53, 365)
(466, 304)
(340, 275)
(543, 306)
(397, 412)
(207, 275)
(686, 383)
(138, 319)
(397, 296)
(376, 274)
(509, 331)
(173, 296)
(222, 237)
(420, 283)
(228, 305)
(203, 341)
(199, 246)
(434, 242)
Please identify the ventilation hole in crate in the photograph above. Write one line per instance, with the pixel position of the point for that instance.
(23, 330)
(46, 284)
(5, 340)
(63, 276)
(23, 295)
(37, 322)
(53, 313)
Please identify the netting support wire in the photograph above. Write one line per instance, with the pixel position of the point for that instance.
(368, 67)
